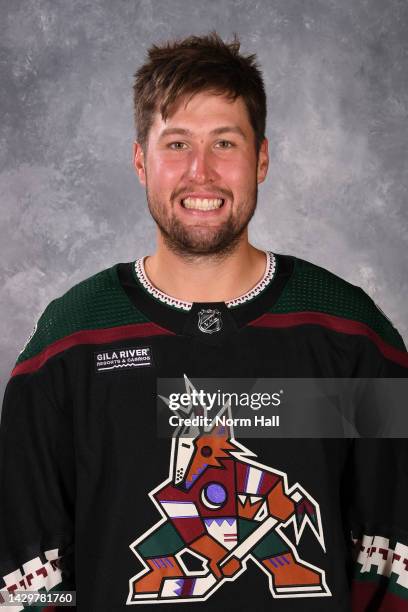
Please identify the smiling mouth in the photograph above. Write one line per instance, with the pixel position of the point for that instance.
(202, 203)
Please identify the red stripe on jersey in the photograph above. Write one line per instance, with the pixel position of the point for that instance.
(365, 593)
(345, 326)
(91, 336)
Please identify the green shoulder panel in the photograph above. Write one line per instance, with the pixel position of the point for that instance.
(315, 289)
(95, 303)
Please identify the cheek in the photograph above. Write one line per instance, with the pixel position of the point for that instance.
(239, 172)
(167, 171)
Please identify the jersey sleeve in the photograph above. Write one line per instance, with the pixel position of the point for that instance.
(379, 525)
(37, 480)
(377, 492)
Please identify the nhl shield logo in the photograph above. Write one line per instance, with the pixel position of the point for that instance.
(209, 320)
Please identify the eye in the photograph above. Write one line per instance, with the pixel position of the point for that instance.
(225, 144)
(177, 146)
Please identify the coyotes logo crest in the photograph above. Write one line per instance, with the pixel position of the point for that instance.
(219, 508)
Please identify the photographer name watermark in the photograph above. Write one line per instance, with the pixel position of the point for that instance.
(224, 421)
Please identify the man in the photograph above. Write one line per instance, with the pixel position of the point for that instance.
(95, 499)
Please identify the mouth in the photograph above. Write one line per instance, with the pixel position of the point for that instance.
(204, 204)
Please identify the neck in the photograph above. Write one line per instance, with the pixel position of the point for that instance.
(206, 278)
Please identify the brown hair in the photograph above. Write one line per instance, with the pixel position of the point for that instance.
(192, 65)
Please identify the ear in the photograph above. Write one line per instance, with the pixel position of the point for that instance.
(263, 161)
(139, 162)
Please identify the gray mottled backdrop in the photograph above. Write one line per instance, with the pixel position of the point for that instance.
(337, 80)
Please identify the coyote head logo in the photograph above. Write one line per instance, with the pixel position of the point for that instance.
(199, 447)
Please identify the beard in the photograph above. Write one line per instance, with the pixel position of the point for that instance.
(187, 240)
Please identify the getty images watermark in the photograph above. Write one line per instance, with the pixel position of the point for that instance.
(286, 407)
(214, 402)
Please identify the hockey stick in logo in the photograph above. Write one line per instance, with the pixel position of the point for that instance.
(219, 508)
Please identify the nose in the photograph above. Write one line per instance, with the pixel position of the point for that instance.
(201, 169)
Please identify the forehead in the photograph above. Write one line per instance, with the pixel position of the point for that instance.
(204, 111)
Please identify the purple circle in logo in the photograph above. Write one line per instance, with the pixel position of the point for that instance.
(216, 493)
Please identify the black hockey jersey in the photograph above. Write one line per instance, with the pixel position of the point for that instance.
(93, 499)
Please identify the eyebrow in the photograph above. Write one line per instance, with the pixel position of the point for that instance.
(235, 129)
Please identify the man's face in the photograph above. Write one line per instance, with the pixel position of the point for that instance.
(201, 173)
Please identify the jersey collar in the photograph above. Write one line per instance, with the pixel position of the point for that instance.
(261, 285)
(177, 319)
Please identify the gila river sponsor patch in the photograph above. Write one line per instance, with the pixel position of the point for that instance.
(123, 358)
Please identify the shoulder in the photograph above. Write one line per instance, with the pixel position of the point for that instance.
(96, 303)
(315, 290)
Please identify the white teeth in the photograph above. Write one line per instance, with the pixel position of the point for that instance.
(202, 203)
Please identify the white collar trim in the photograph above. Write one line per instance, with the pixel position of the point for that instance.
(269, 274)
